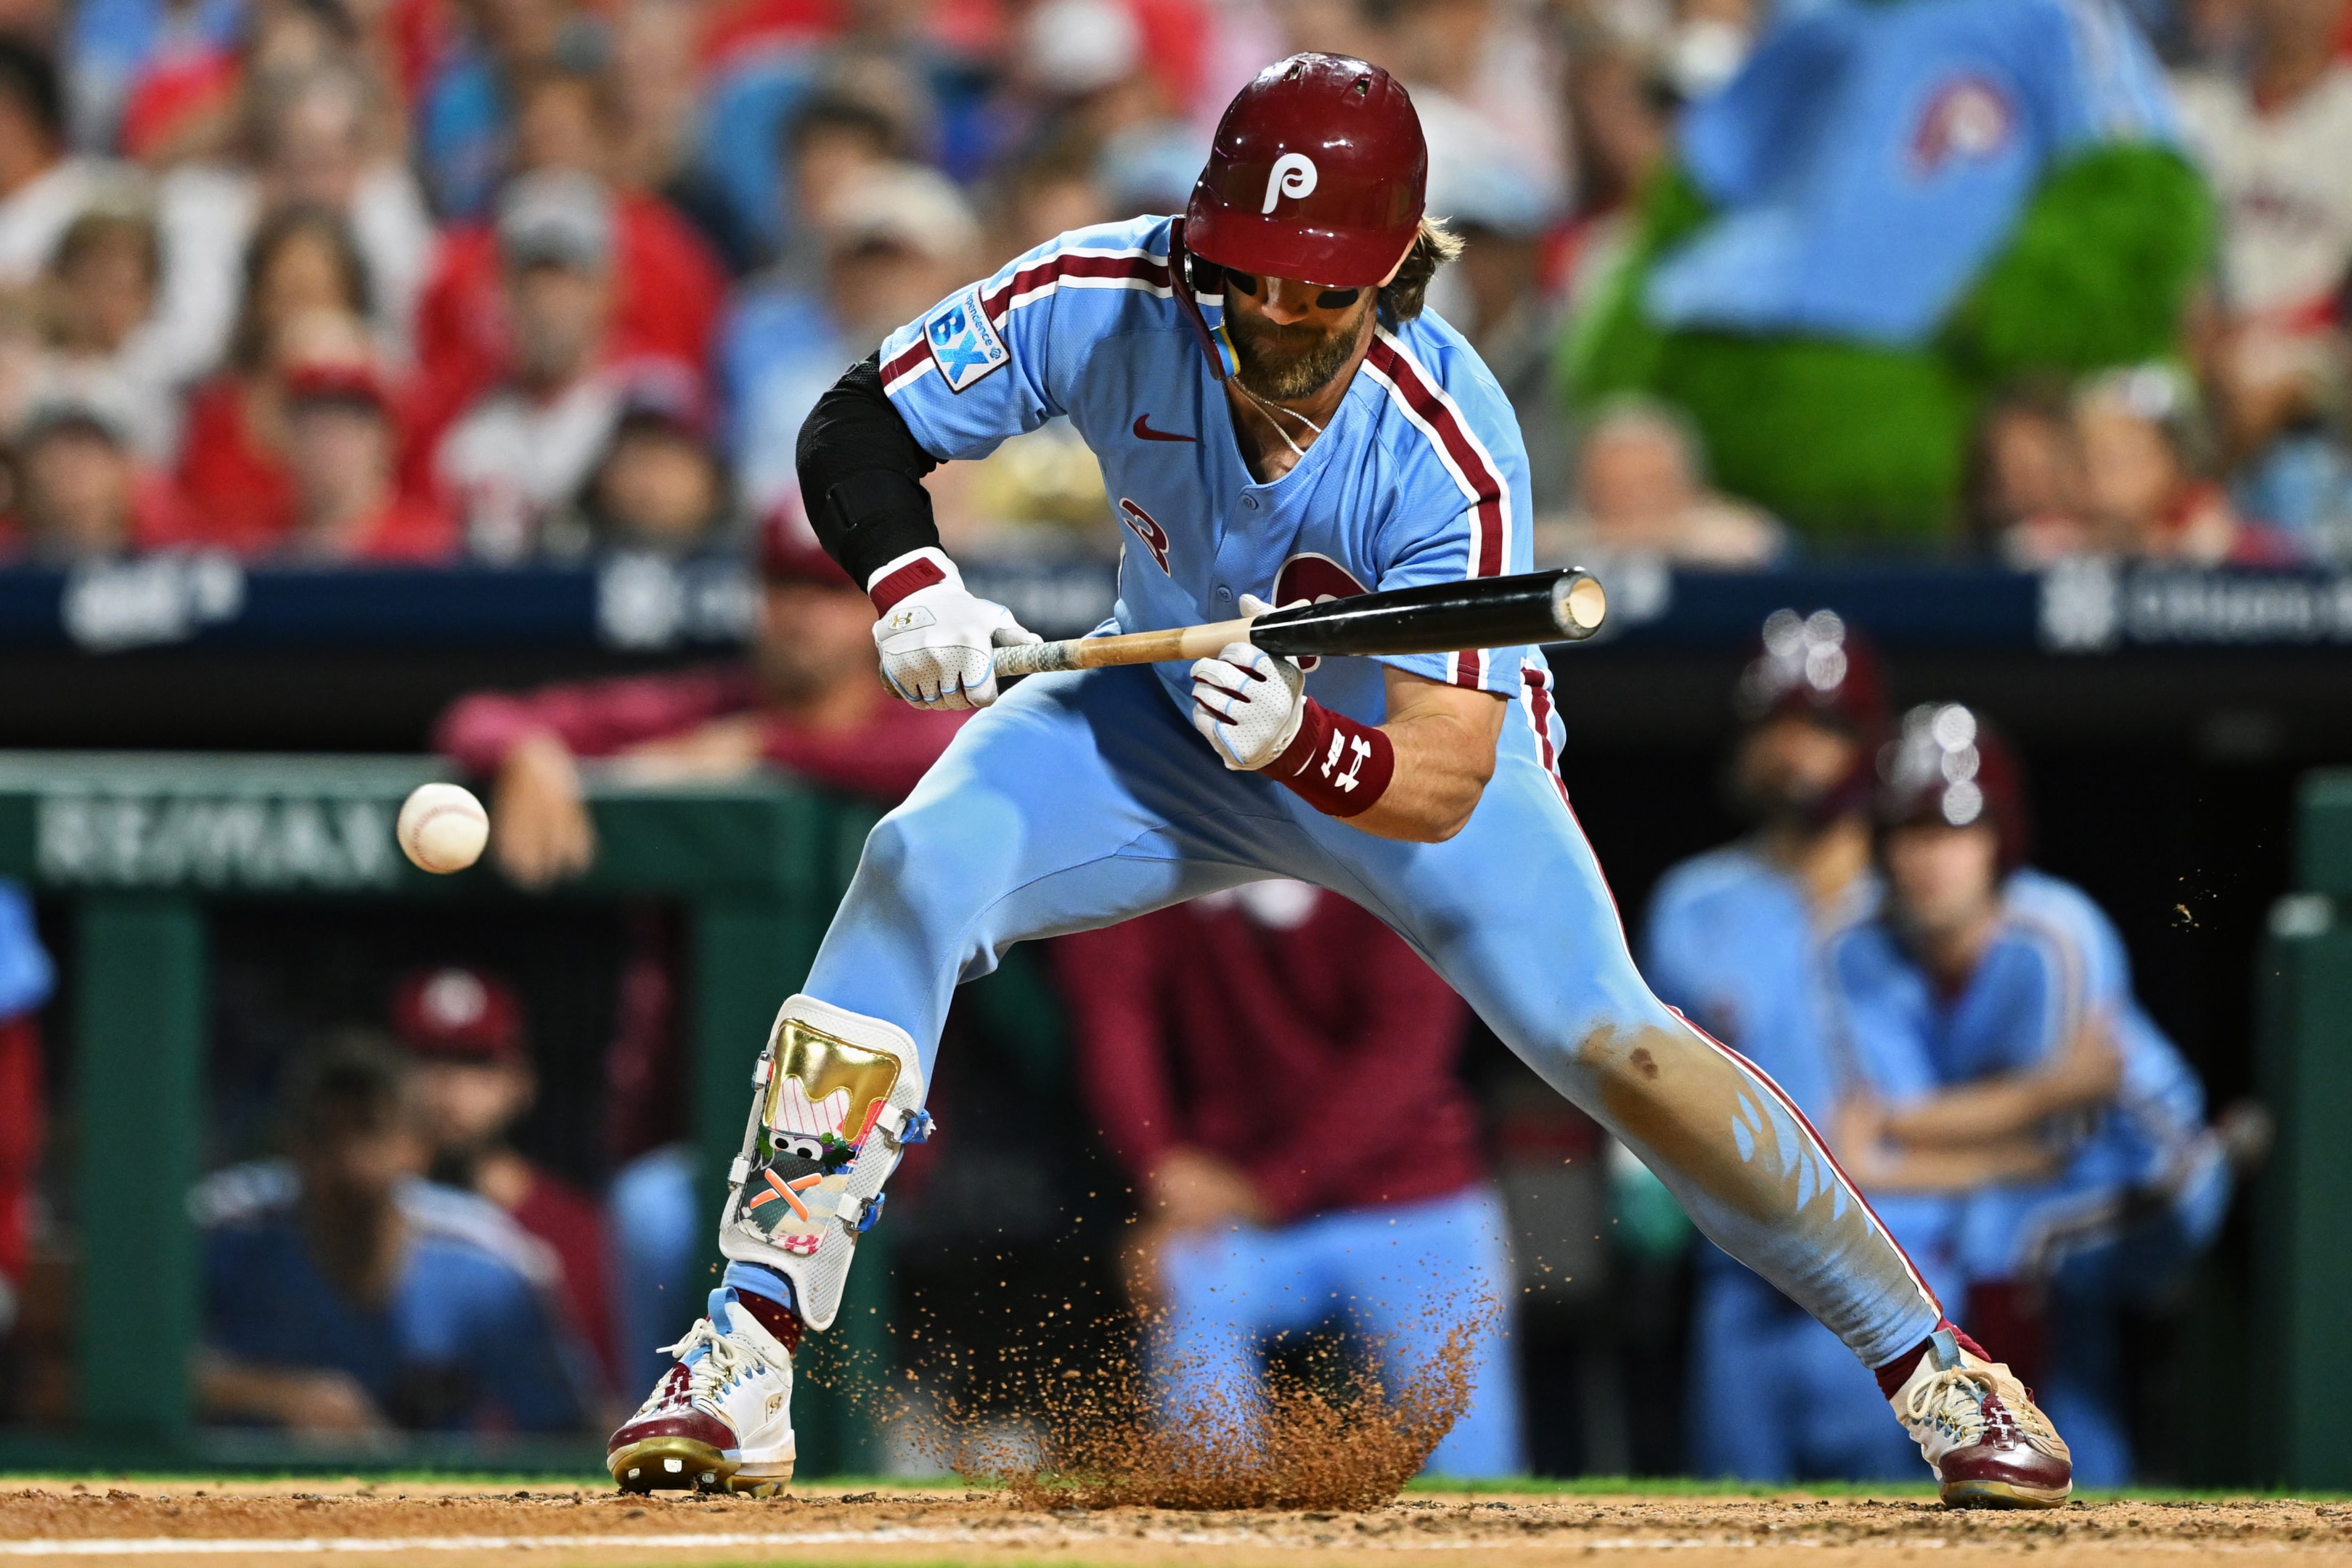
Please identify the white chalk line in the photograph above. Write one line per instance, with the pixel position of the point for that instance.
(282, 1546)
(202, 1546)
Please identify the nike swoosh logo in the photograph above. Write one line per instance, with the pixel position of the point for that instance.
(1146, 432)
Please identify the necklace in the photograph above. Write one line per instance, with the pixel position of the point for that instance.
(1270, 410)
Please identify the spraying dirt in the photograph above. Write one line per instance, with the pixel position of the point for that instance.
(1332, 1424)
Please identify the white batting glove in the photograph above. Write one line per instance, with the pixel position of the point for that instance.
(1247, 703)
(935, 642)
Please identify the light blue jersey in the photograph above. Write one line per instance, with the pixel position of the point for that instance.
(1419, 477)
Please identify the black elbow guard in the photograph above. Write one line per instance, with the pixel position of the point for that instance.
(861, 474)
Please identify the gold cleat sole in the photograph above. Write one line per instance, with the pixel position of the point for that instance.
(762, 1480)
(670, 1464)
(2003, 1494)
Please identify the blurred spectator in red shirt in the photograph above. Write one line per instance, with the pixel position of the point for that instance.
(82, 494)
(523, 450)
(341, 446)
(659, 488)
(808, 702)
(464, 1032)
(101, 338)
(302, 263)
(666, 288)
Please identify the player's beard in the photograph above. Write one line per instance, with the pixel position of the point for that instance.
(1285, 363)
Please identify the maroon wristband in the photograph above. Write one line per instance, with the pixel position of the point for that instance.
(1335, 764)
(915, 573)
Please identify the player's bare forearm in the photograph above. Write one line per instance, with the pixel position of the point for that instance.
(1893, 1169)
(1444, 738)
(2086, 1074)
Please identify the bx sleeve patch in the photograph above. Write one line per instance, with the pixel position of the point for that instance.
(963, 344)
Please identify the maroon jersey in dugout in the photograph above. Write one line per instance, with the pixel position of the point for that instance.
(1284, 1029)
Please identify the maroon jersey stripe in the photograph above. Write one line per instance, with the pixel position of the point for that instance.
(998, 301)
(1423, 399)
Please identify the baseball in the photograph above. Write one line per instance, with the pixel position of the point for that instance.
(443, 828)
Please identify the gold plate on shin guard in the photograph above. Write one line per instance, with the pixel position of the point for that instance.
(824, 1096)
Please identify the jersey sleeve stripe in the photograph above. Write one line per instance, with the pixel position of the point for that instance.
(1417, 394)
(1074, 269)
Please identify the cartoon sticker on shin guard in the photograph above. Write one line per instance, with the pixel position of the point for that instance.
(824, 1098)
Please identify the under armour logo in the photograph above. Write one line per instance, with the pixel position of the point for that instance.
(1293, 175)
(1343, 744)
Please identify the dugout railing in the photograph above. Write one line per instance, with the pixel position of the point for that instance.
(143, 848)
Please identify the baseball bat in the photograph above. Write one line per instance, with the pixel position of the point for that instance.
(1563, 604)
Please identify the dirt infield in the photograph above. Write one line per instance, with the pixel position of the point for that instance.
(431, 1523)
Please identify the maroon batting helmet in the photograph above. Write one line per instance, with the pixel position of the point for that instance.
(1949, 767)
(1316, 174)
(1816, 667)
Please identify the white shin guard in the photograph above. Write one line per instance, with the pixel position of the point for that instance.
(839, 1098)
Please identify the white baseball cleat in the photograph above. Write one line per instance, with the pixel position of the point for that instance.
(721, 1419)
(1988, 1444)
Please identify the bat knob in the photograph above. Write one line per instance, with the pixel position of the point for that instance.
(1579, 604)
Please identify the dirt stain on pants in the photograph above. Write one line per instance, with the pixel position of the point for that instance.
(1757, 1180)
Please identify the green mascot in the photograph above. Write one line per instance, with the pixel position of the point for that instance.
(1898, 207)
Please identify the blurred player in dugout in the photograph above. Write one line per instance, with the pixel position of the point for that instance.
(2008, 992)
(344, 1293)
(1736, 940)
(468, 1047)
(807, 702)
(1275, 1069)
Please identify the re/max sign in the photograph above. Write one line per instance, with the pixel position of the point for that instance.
(93, 840)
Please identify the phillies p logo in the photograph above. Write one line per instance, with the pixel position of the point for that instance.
(1293, 175)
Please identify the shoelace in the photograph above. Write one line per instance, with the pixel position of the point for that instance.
(1960, 1398)
(722, 1363)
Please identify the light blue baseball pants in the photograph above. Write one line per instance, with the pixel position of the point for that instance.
(1079, 800)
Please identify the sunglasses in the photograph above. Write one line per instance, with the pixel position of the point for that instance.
(1330, 300)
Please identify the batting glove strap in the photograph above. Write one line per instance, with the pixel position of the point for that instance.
(1336, 764)
(934, 637)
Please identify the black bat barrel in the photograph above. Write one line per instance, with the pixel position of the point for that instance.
(1563, 604)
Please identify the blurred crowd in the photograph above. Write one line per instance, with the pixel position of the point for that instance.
(492, 282)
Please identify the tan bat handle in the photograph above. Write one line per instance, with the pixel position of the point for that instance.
(1129, 648)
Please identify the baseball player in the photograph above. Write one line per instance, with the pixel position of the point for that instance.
(1734, 939)
(1277, 421)
(2014, 988)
